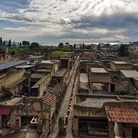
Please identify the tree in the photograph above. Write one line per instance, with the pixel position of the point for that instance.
(20, 44)
(9, 43)
(26, 43)
(123, 50)
(0, 41)
(45, 53)
(61, 45)
(58, 54)
(34, 46)
(14, 44)
(4, 43)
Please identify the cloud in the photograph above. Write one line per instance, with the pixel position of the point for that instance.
(70, 20)
(116, 21)
(18, 28)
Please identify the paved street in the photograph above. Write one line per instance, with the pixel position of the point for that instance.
(22, 134)
(65, 104)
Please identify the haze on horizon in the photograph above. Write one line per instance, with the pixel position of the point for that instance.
(74, 21)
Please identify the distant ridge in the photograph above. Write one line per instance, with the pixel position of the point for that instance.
(115, 41)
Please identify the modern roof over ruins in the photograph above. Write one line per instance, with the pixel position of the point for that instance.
(130, 73)
(11, 64)
(98, 70)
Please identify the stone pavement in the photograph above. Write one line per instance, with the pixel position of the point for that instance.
(65, 104)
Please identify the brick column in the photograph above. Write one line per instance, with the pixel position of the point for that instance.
(75, 126)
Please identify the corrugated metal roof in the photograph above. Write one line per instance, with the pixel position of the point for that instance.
(121, 113)
(11, 64)
(130, 73)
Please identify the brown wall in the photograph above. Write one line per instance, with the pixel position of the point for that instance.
(88, 111)
(7, 58)
(9, 80)
(117, 67)
(100, 77)
(42, 85)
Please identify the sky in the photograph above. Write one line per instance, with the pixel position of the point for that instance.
(50, 22)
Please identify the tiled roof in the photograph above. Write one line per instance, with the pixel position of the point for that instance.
(49, 99)
(122, 113)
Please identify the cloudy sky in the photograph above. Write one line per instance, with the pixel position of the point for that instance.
(74, 21)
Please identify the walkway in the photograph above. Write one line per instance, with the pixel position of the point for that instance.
(65, 104)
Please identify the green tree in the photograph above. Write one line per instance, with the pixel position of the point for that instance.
(58, 54)
(34, 46)
(123, 51)
(25, 43)
(61, 45)
(9, 43)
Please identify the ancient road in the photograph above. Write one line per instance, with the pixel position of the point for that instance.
(65, 104)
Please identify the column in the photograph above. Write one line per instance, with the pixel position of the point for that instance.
(75, 126)
(118, 130)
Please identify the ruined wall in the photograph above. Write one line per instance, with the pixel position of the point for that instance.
(45, 66)
(7, 58)
(135, 82)
(128, 129)
(88, 111)
(122, 86)
(9, 79)
(117, 67)
(42, 85)
(13, 117)
(100, 77)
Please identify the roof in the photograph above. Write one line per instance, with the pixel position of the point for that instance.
(24, 66)
(49, 99)
(130, 73)
(98, 70)
(47, 62)
(60, 73)
(38, 75)
(96, 101)
(122, 113)
(11, 64)
(12, 101)
(83, 77)
(5, 110)
(34, 57)
(119, 62)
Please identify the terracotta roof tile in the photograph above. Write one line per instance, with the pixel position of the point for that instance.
(120, 113)
(49, 99)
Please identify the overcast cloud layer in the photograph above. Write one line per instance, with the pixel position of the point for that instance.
(74, 21)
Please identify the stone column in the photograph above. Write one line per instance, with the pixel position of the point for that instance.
(118, 130)
(76, 126)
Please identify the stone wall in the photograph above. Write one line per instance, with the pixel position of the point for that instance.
(100, 77)
(7, 58)
(117, 67)
(10, 79)
(42, 85)
(88, 111)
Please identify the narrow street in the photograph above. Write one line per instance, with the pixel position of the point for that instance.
(23, 134)
(66, 101)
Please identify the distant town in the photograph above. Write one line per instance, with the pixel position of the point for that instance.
(69, 90)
